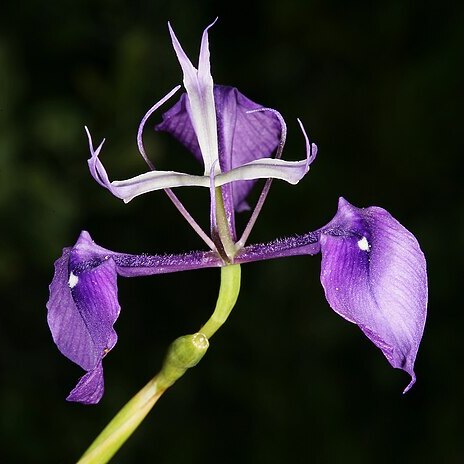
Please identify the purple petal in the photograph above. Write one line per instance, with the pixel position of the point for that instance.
(82, 309)
(374, 275)
(90, 387)
(242, 136)
(199, 85)
(177, 122)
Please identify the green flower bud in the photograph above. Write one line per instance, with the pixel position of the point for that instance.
(184, 353)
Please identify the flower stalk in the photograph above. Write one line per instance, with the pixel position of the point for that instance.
(123, 424)
(228, 294)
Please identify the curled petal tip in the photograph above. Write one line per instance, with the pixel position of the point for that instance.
(311, 148)
(90, 388)
(93, 152)
(411, 383)
(212, 24)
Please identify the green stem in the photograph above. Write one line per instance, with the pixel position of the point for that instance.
(228, 294)
(183, 353)
(123, 424)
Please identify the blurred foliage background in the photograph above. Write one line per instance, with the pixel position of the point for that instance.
(379, 87)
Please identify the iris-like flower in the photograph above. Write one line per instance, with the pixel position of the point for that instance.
(373, 270)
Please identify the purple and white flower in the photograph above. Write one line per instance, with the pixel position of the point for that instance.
(373, 271)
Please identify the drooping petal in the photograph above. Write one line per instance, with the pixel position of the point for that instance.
(200, 103)
(374, 275)
(82, 309)
(83, 303)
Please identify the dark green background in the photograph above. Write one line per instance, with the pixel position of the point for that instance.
(379, 88)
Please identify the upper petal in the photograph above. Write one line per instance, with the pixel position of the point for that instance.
(177, 122)
(242, 136)
(200, 104)
(374, 275)
(245, 136)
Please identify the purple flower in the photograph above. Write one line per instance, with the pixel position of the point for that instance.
(373, 271)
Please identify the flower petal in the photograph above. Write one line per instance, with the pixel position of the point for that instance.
(200, 105)
(264, 168)
(177, 122)
(127, 190)
(290, 171)
(242, 136)
(90, 387)
(82, 309)
(246, 137)
(374, 275)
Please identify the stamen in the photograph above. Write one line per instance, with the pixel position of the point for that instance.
(171, 195)
(262, 197)
(144, 121)
(311, 151)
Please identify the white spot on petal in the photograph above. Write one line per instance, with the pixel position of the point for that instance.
(363, 244)
(73, 279)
